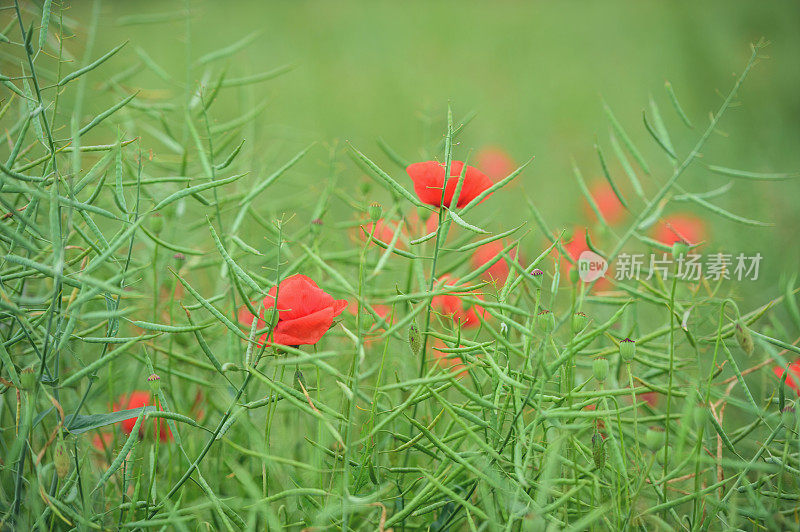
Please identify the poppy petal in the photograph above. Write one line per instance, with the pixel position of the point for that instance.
(305, 330)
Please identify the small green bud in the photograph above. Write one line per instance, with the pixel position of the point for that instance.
(373, 473)
(579, 321)
(743, 336)
(546, 321)
(680, 248)
(300, 381)
(788, 417)
(316, 226)
(600, 369)
(598, 450)
(61, 458)
(229, 366)
(654, 438)
(27, 378)
(154, 381)
(627, 350)
(662, 455)
(156, 223)
(375, 211)
(574, 276)
(414, 339)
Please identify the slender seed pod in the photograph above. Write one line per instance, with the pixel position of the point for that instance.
(414, 339)
(598, 451)
(743, 336)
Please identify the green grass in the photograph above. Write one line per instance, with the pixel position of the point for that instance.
(161, 169)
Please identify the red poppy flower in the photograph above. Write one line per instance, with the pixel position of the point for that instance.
(138, 399)
(497, 272)
(452, 305)
(607, 202)
(793, 378)
(687, 227)
(448, 360)
(429, 179)
(305, 312)
(495, 162)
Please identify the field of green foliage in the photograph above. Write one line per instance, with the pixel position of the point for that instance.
(424, 266)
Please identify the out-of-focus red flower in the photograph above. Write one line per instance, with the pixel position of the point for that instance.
(651, 398)
(447, 360)
(497, 272)
(382, 310)
(197, 407)
(305, 312)
(452, 305)
(793, 378)
(138, 399)
(103, 441)
(495, 162)
(384, 232)
(677, 227)
(574, 247)
(417, 228)
(429, 178)
(607, 202)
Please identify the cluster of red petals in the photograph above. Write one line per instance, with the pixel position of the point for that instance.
(138, 399)
(793, 378)
(607, 203)
(448, 360)
(456, 308)
(305, 312)
(494, 162)
(497, 272)
(429, 179)
(686, 227)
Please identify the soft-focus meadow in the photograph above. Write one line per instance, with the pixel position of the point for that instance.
(426, 357)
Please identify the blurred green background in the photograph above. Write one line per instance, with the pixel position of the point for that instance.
(536, 73)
